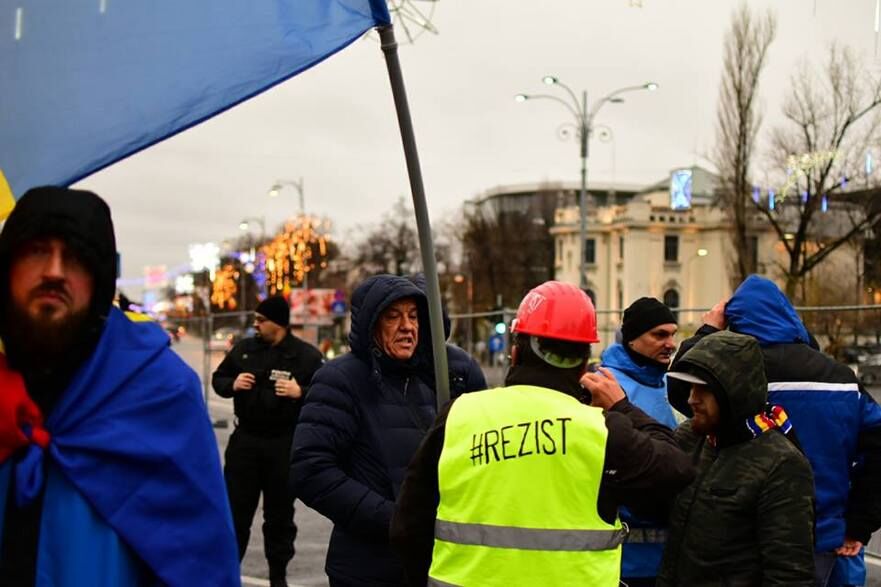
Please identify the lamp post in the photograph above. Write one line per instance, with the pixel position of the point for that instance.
(584, 117)
(274, 191)
(700, 253)
(244, 225)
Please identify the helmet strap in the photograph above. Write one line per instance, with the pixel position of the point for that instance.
(551, 358)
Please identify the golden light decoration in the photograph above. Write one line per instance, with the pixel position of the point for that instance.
(225, 287)
(291, 255)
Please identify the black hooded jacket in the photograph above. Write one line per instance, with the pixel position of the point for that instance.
(747, 519)
(362, 421)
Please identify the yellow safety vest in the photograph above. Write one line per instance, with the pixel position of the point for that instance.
(519, 477)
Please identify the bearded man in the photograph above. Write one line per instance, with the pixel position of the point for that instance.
(109, 470)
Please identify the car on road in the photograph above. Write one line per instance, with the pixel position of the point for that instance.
(869, 373)
(862, 354)
(223, 339)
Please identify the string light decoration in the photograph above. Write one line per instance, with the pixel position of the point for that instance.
(291, 255)
(225, 287)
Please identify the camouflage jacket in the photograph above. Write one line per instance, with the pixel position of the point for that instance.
(747, 519)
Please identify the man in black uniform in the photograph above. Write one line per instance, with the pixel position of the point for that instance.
(267, 376)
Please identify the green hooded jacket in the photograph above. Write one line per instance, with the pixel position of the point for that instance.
(747, 519)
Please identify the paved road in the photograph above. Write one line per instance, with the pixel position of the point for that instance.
(307, 568)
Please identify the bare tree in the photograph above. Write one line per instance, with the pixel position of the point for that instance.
(832, 119)
(738, 121)
(390, 246)
(508, 249)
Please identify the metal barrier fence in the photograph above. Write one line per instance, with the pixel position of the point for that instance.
(835, 327)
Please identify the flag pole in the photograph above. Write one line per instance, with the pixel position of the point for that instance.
(426, 246)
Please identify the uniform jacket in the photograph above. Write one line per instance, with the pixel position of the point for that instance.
(363, 419)
(748, 517)
(259, 410)
(132, 487)
(646, 388)
(837, 422)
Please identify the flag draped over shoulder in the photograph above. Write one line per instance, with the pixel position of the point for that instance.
(85, 83)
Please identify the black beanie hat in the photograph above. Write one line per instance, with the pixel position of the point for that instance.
(276, 309)
(81, 219)
(643, 315)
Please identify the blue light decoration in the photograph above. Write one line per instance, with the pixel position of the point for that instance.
(843, 181)
(870, 163)
(260, 275)
(680, 189)
(772, 202)
(804, 196)
(757, 194)
(824, 204)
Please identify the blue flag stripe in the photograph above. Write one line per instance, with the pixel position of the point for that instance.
(89, 82)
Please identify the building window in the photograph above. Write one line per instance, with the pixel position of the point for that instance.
(590, 251)
(671, 300)
(671, 248)
(559, 250)
(621, 248)
(592, 295)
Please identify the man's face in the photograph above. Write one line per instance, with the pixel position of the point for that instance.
(706, 409)
(657, 344)
(397, 330)
(49, 283)
(267, 329)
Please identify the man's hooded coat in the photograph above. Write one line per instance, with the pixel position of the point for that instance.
(363, 420)
(747, 519)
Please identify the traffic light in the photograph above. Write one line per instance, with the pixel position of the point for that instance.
(501, 327)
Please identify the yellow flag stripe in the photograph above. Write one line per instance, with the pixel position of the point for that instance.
(7, 201)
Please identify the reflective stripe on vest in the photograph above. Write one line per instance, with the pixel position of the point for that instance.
(647, 536)
(528, 538)
(519, 478)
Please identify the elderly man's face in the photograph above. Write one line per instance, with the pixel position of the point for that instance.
(658, 344)
(706, 409)
(48, 281)
(397, 330)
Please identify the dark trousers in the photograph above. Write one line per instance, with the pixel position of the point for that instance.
(256, 464)
(824, 562)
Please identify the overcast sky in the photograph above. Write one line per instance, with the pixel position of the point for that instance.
(334, 125)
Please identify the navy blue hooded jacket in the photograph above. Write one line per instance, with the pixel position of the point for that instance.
(837, 422)
(364, 417)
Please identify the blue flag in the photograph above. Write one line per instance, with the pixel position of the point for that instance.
(85, 83)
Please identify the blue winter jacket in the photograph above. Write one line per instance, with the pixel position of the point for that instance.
(836, 421)
(363, 419)
(134, 493)
(646, 388)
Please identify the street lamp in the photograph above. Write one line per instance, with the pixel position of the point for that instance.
(274, 191)
(698, 254)
(248, 267)
(276, 188)
(584, 126)
(245, 224)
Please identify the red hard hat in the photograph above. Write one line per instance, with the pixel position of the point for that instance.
(557, 310)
